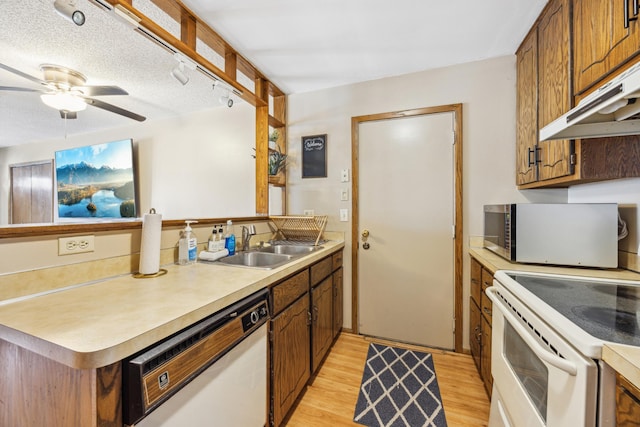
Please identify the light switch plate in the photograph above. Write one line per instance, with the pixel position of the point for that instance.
(75, 245)
(344, 194)
(344, 215)
(344, 175)
(308, 212)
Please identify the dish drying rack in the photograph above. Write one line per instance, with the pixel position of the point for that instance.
(306, 229)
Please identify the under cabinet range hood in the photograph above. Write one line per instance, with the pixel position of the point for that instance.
(612, 110)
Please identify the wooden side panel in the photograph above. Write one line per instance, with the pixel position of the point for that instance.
(322, 324)
(289, 290)
(291, 358)
(527, 109)
(613, 157)
(109, 396)
(36, 391)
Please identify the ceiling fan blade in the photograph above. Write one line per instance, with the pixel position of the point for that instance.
(21, 74)
(101, 90)
(19, 89)
(68, 114)
(114, 109)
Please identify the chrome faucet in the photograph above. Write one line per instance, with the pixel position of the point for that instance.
(247, 232)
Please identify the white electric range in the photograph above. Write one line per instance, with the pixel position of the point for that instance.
(548, 335)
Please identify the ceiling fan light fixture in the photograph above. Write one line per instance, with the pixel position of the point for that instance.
(63, 102)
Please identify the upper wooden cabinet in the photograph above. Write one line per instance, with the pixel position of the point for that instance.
(527, 110)
(604, 40)
(543, 95)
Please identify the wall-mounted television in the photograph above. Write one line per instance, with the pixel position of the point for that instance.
(96, 181)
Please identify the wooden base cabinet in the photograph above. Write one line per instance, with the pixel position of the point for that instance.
(303, 327)
(480, 322)
(627, 403)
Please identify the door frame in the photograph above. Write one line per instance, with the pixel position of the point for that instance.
(456, 109)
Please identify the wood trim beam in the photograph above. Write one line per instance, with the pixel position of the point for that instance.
(262, 149)
(456, 109)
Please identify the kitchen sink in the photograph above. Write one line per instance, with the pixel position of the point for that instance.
(264, 260)
(290, 249)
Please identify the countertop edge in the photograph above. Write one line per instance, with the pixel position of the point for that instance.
(77, 359)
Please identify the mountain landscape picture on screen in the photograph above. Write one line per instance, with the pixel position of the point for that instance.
(96, 181)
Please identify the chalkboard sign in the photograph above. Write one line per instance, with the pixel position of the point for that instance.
(314, 156)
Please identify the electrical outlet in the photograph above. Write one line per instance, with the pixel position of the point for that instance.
(344, 215)
(75, 245)
(309, 212)
(344, 194)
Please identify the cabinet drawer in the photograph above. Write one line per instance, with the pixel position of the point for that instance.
(320, 270)
(289, 290)
(337, 260)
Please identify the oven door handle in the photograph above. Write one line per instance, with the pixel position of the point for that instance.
(562, 364)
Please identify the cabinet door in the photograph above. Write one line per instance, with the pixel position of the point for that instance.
(338, 298)
(290, 357)
(322, 321)
(475, 332)
(476, 280)
(485, 356)
(601, 41)
(554, 94)
(527, 109)
(627, 403)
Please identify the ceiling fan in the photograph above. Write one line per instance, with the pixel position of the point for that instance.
(66, 91)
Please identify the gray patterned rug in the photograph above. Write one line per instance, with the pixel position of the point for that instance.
(399, 388)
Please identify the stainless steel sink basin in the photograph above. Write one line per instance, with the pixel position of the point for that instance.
(264, 260)
(290, 249)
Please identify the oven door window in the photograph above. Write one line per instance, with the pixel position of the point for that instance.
(530, 370)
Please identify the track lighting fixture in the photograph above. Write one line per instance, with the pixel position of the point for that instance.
(178, 72)
(225, 97)
(68, 10)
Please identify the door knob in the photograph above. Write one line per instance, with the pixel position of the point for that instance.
(365, 234)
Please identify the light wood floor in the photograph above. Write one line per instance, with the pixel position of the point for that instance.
(331, 398)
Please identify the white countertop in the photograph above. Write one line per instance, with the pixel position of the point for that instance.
(101, 323)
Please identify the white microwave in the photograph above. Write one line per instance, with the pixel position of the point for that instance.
(575, 234)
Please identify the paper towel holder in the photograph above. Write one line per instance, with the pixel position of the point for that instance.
(160, 272)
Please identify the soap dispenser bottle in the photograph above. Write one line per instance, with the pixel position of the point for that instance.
(187, 245)
(230, 239)
(213, 241)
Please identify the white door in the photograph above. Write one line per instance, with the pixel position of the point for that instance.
(406, 203)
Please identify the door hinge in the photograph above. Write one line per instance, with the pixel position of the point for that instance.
(572, 159)
(453, 231)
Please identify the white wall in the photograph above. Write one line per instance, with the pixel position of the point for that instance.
(487, 91)
(198, 165)
(625, 192)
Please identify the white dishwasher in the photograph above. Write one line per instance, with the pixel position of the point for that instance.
(213, 373)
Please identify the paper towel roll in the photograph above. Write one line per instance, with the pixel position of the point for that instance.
(150, 243)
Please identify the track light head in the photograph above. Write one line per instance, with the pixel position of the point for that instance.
(225, 98)
(67, 9)
(179, 74)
